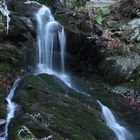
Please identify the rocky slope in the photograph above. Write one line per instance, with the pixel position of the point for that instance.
(47, 107)
(103, 37)
(101, 41)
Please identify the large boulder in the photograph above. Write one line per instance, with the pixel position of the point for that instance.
(119, 68)
(48, 108)
(17, 44)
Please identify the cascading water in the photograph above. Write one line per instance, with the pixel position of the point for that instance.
(120, 132)
(62, 39)
(50, 36)
(5, 12)
(11, 107)
(50, 39)
(50, 32)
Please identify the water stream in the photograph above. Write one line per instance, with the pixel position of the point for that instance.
(50, 39)
(50, 59)
(5, 12)
(50, 43)
(11, 107)
(121, 132)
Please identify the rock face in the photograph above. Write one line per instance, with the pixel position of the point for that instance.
(18, 43)
(2, 122)
(83, 43)
(103, 3)
(119, 68)
(135, 27)
(118, 35)
(48, 108)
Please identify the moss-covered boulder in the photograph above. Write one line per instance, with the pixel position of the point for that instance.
(119, 68)
(48, 108)
(9, 58)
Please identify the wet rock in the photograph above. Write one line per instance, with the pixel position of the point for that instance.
(135, 26)
(30, 22)
(22, 9)
(73, 3)
(102, 3)
(16, 46)
(129, 5)
(49, 108)
(122, 90)
(2, 122)
(119, 68)
(9, 57)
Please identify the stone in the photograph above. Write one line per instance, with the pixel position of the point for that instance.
(134, 23)
(119, 68)
(102, 3)
(2, 122)
(49, 108)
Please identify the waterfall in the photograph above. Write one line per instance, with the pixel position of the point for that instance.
(5, 12)
(62, 44)
(11, 107)
(50, 39)
(50, 43)
(120, 132)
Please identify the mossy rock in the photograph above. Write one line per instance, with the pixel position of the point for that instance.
(9, 58)
(48, 108)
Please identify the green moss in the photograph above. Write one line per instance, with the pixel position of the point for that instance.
(63, 113)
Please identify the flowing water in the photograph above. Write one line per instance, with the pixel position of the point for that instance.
(51, 37)
(50, 43)
(5, 12)
(120, 132)
(11, 107)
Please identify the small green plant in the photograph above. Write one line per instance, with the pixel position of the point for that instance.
(101, 13)
(97, 14)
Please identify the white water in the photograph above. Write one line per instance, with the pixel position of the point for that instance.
(120, 132)
(62, 39)
(50, 42)
(50, 32)
(5, 12)
(50, 39)
(11, 107)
